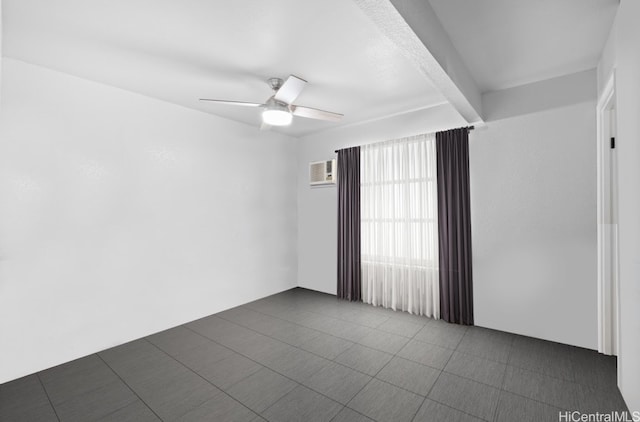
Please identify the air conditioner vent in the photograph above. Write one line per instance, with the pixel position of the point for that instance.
(323, 173)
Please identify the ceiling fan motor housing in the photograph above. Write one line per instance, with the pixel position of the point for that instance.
(272, 103)
(275, 83)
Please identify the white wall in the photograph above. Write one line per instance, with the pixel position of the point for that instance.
(317, 207)
(1, 50)
(607, 60)
(538, 96)
(122, 215)
(533, 210)
(623, 55)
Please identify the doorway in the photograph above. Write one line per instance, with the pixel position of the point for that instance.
(608, 275)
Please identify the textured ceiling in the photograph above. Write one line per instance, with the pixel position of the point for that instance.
(180, 51)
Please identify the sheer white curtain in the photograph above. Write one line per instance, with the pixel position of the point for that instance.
(399, 225)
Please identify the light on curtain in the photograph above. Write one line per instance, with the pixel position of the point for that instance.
(399, 225)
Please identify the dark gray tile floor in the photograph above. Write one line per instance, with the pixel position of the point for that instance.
(305, 356)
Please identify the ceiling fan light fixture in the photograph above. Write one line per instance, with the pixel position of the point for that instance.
(277, 116)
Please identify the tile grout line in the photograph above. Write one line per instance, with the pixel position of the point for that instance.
(272, 338)
(397, 386)
(404, 389)
(206, 380)
(393, 355)
(301, 325)
(378, 309)
(431, 320)
(345, 406)
(436, 381)
(304, 386)
(342, 319)
(473, 380)
(353, 410)
(369, 382)
(285, 320)
(529, 369)
(316, 313)
(223, 346)
(300, 348)
(295, 309)
(333, 360)
(321, 332)
(504, 378)
(423, 341)
(93, 389)
(129, 387)
(55, 412)
(507, 364)
(387, 318)
(255, 361)
(374, 376)
(443, 370)
(218, 361)
(309, 293)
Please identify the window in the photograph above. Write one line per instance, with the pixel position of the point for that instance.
(399, 202)
(399, 224)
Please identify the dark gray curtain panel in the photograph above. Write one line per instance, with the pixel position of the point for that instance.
(454, 226)
(349, 269)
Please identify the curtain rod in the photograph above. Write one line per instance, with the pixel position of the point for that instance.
(468, 128)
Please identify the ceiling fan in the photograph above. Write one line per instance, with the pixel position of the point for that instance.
(278, 110)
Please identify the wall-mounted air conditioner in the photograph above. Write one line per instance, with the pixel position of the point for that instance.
(323, 173)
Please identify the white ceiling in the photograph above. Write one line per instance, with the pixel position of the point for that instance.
(180, 51)
(506, 43)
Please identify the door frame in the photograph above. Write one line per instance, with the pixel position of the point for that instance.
(608, 292)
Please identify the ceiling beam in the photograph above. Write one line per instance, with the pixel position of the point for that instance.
(416, 30)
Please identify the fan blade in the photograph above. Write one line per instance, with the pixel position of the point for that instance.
(238, 103)
(314, 113)
(290, 89)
